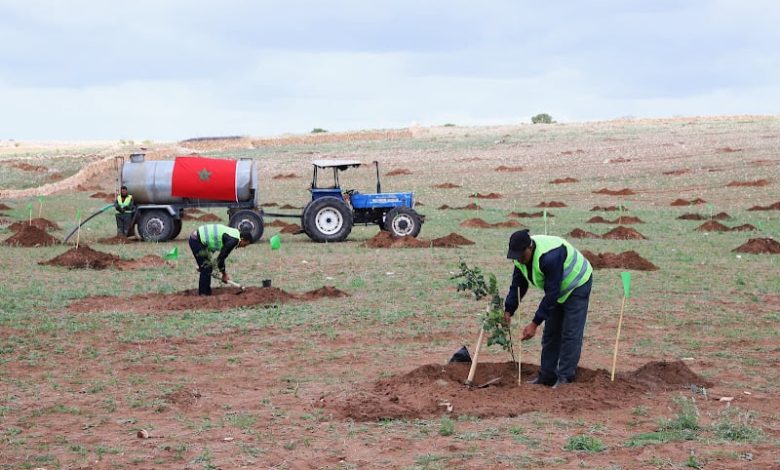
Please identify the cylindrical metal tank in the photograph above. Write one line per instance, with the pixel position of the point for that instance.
(150, 181)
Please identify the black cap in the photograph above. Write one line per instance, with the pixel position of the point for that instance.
(518, 242)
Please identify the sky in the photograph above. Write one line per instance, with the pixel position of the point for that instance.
(168, 70)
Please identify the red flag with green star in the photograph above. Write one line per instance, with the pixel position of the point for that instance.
(204, 178)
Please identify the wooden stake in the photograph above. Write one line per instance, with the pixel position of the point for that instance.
(617, 339)
(520, 363)
(473, 370)
(78, 232)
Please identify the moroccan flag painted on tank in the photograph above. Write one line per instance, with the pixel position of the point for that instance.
(204, 178)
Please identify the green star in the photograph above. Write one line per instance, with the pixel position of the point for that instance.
(204, 175)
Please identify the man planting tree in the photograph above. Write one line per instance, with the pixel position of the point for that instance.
(213, 238)
(554, 265)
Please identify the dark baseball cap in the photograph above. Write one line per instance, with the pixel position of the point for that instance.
(518, 242)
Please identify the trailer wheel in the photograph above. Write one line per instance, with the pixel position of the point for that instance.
(248, 219)
(403, 222)
(156, 226)
(327, 219)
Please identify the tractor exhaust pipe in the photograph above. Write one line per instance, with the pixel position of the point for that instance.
(378, 184)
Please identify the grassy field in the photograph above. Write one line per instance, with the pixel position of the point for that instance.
(241, 387)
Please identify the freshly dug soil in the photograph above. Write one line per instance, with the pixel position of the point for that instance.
(607, 208)
(579, 233)
(712, 226)
(291, 228)
(4, 207)
(529, 214)
(677, 172)
(270, 204)
(615, 192)
(479, 223)
(625, 260)
(469, 207)
(222, 298)
(278, 223)
(102, 195)
(31, 236)
(85, 257)
(692, 202)
(387, 240)
(446, 186)
(288, 206)
(426, 392)
(398, 172)
(508, 169)
(117, 240)
(566, 180)
(771, 207)
(748, 183)
(623, 233)
(451, 240)
(202, 218)
(597, 220)
(718, 216)
(758, 246)
(41, 223)
(487, 196)
(551, 204)
(285, 176)
(620, 220)
(743, 228)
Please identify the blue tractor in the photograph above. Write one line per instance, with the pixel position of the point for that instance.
(330, 215)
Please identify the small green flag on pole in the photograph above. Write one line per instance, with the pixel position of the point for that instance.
(544, 216)
(173, 254)
(276, 242)
(29, 209)
(40, 205)
(709, 207)
(626, 276)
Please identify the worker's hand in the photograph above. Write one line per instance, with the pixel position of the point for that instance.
(507, 319)
(225, 277)
(529, 331)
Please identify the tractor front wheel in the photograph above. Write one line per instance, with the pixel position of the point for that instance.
(327, 219)
(403, 222)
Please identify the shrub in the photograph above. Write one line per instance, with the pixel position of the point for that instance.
(447, 426)
(318, 130)
(584, 443)
(542, 118)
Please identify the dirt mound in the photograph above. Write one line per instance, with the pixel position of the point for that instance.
(479, 223)
(529, 214)
(323, 292)
(387, 240)
(451, 240)
(759, 245)
(551, 204)
(209, 218)
(683, 202)
(41, 223)
(30, 236)
(117, 240)
(615, 192)
(728, 150)
(597, 220)
(102, 195)
(4, 207)
(628, 220)
(28, 167)
(607, 208)
(470, 207)
(398, 172)
(566, 180)
(579, 233)
(288, 206)
(748, 183)
(712, 226)
(623, 233)
(681, 171)
(85, 257)
(487, 196)
(625, 260)
(446, 186)
(508, 169)
(743, 228)
(285, 176)
(270, 204)
(291, 228)
(771, 207)
(429, 390)
(277, 223)
(718, 216)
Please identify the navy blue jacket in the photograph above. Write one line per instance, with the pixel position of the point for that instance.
(551, 264)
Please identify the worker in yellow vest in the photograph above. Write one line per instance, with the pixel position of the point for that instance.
(554, 265)
(213, 238)
(125, 209)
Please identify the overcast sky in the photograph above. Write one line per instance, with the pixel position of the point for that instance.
(169, 70)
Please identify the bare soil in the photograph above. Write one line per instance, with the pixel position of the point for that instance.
(579, 233)
(285, 176)
(291, 228)
(31, 236)
(615, 192)
(41, 223)
(289, 206)
(509, 169)
(28, 167)
(692, 202)
(529, 214)
(387, 240)
(278, 223)
(433, 390)
(446, 186)
(771, 207)
(85, 257)
(399, 172)
(714, 226)
(718, 216)
(486, 196)
(759, 246)
(625, 260)
(479, 223)
(469, 207)
(761, 182)
(451, 240)
(607, 208)
(681, 171)
(551, 204)
(102, 195)
(118, 240)
(4, 207)
(597, 220)
(566, 180)
(623, 233)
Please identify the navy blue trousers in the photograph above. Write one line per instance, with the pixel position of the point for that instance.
(201, 255)
(562, 337)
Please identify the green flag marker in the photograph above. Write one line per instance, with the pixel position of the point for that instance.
(173, 254)
(40, 199)
(78, 214)
(276, 242)
(626, 277)
(29, 206)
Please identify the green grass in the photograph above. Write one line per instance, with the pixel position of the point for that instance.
(584, 443)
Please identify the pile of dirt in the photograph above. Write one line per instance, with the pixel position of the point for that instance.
(451, 240)
(277, 223)
(285, 176)
(469, 207)
(771, 207)
(623, 233)
(625, 260)
(677, 172)
(551, 204)
(743, 228)
(202, 218)
(712, 226)
(398, 172)
(758, 246)
(436, 390)
(615, 192)
(597, 220)
(4, 207)
(718, 216)
(529, 214)
(288, 206)
(102, 195)
(508, 169)
(728, 150)
(30, 236)
(222, 298)
(566, 180)
(28, 167)
(82, 188)
(41, 223)
(291, 228)
(117, 240)
(620, 220)
(446, 186)
(85, 257)
(748, 183)
(487, 196)
(479, 223)
(270, 204)
(579, 233)
(387, 240)
(56, 176)
(692, 202)
(607, 208)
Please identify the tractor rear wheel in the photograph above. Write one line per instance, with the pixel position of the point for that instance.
(248, 219)
(156, 226)
(327, 219)
(403, 222)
